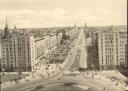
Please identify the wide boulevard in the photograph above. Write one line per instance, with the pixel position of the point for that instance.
(73, 61)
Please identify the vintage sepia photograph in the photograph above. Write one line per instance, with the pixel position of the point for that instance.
(63, 45)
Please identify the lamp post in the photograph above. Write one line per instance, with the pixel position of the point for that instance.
(126, 71)
(3, 77)
(19, 73)
(62, 74)
(92, 70)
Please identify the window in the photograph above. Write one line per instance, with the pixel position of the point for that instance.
(116, 39)
(102, 61)
(3, 51)
(101, 39)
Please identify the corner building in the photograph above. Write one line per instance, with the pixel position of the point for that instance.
(17, 52)
(111, 50)
(21, 51)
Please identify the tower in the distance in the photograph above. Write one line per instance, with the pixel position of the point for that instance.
(6, 28)
(74, 25)
(14, 27)
(85, 27)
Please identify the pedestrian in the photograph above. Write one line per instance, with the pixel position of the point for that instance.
(104, 89)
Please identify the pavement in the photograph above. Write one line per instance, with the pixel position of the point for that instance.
(105, 80)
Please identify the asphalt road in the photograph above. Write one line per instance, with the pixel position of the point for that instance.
(76, 63)
(95, 85)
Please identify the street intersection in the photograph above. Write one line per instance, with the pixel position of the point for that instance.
(73, 61)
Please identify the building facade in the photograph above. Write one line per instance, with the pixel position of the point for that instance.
(21, 51)
(123, 49)
(46, 44)
(111, 50)
(17, 53)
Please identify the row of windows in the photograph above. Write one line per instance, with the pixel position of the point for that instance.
(111, 49)
(108, 46)
(22, 65)
(107, 62)
(22, 57)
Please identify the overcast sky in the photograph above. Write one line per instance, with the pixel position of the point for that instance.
(45, 13)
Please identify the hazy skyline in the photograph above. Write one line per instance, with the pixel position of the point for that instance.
(45, 13)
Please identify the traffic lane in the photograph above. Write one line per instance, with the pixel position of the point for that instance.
(97, 84)
(76, 63)
(67, 79)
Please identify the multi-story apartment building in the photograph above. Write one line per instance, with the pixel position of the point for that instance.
(46, 44)
(17, 52)
(111, 50)
(21, 51)
(123, 49)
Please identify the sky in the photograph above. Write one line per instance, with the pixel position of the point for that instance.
(53, 13)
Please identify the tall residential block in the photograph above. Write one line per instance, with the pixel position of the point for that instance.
(111, 49)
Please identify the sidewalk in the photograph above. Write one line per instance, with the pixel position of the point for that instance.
(100, 76)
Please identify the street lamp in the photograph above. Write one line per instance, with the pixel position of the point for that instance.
(3, 77)
(62, 73)
(92, 66)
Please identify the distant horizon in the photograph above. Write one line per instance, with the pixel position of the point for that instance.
(55, 13)
(65, 26)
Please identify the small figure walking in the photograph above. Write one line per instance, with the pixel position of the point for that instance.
(104, 89)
